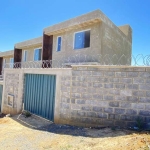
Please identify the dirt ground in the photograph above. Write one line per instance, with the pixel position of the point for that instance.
(16, 134)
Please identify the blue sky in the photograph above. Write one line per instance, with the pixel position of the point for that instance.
(25, 19)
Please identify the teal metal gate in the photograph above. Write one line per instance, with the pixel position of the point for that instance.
(39, 95)
(1, 93)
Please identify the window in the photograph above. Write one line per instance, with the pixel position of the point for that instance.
(58, 43)
(11, 62)
(4, 62)
(82, 39)
(37, 54)
(25, 55)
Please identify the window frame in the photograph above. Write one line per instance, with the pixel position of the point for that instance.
(57, 44)
(79, 32)
(34, 53)
(11, 63)
(24, 56)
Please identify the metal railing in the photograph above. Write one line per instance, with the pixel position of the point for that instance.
(81, 59)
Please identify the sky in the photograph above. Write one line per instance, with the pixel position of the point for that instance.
(25, 19)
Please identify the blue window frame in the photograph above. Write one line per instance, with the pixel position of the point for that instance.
(59, 41)
(82, 39)
(37, 54)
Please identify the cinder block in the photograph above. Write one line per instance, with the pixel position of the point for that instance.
(125, 80)
(121, 74)
(119, 86)
(108, 85)
(144, 113)
(119, 111)
(101, 115)
(97, 109)
(91, 114)
(138, 93)
(87, 73)
(114, 80)
(65, 100)
(97, 73)
(125, 92)
(81, 114)
(98, 96)
(144, 87)
(74, 83)
(76, 73)
(92, 79)
(108, 110)
(91, 90)
(145, 75)
(108, 97)
(114, 104)
(65, 105)
(114, 92)
(132, 99)
(147, 106)
(125, 105)
(122, 98)
(86, 108)
(133, 74)
(138, 80)
(138, 106)
(86, 96)
(97, 85)
(131, 112)
(81, 78)
(144, 100)
(148, 93)
(76, 95)
(103, 80)
(78, 101)
(109, 74)
(132, 86)
(75, 107)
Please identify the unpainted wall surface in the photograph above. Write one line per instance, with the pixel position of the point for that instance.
(13, 85)
(68, 42)
(114, 43)
(30, 53)
(105, 96)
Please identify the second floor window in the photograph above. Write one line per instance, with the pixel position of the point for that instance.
(82, 39)
(37, 54)
(59, 41)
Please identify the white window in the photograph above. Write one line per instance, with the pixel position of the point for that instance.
(11, 62)
(4, 62)
(25, 55)
(59, 43)
(82, 39)
(37, 54)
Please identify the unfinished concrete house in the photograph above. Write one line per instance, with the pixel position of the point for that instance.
(88, 92)
(89, 38)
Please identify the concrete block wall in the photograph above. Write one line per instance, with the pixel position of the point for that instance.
(13, 85)
(105, 96)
